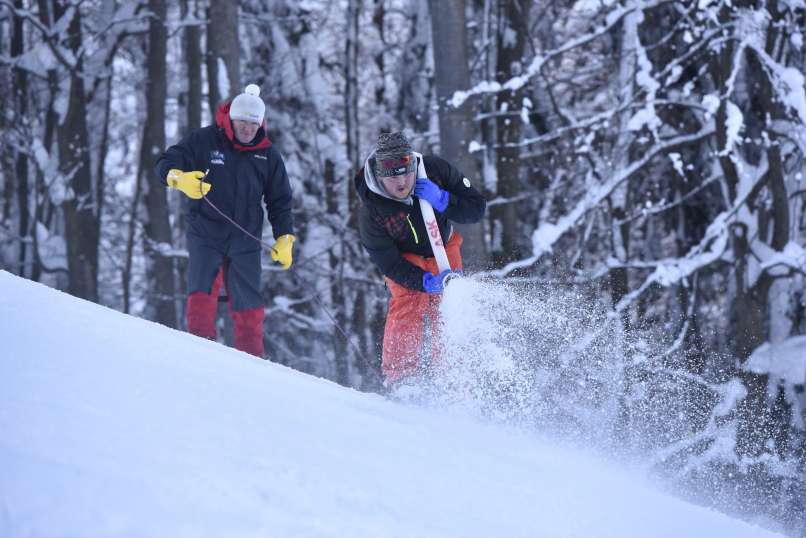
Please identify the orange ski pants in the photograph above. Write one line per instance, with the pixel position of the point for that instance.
(410, 314)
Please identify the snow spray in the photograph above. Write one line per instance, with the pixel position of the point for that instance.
(553, 360)
(525, 354)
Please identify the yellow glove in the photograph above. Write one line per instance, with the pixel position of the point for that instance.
(188, 182)
(281, 251)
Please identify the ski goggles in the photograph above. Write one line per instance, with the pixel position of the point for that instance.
(396, 166)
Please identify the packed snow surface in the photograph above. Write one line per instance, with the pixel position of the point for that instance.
(116, 426)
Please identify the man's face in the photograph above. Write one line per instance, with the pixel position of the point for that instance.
(245, 131)
(399, 187)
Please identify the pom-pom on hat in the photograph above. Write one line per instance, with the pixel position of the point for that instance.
(248, 106)
(393, 155)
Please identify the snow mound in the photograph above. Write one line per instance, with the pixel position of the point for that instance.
(116, 426)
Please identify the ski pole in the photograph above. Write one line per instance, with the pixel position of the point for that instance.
(300, 281)
(431, 226)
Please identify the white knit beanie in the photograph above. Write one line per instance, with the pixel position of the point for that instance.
(248, 106)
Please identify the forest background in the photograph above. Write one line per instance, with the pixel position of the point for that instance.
(641, 159)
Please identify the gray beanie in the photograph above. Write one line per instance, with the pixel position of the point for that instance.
(393, 155)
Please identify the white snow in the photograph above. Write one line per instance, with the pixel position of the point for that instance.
(591, 6)
(544, 237)
(677, 163)
(711, 103)
(459, 97)
(674, 270)
(526, 108)
(793, 256)
(784, 361)
(52, 248)
(116, 426)
(733, 126)
(789, 83)
(645, 116)
(732, 392)
(37, 60)
(223, 81)
(474, 146)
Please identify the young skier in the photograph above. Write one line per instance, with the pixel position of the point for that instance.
(394, 234)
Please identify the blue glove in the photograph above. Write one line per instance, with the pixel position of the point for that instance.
(428, 190)
(437, 283)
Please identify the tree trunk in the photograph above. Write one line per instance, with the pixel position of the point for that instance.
(378, 20)
(449, 35)
(20, 93)
(43, 208)
(80, 211)
(762, 418)
(161, 299)
(222, 50)
(337, 295)
(755, 413)
(6, 166)
(193, 62)
(103, 146)
(511, 40)
(358, 321)
(126, 276)
(626, 40)
(351, 106)
(193, 102)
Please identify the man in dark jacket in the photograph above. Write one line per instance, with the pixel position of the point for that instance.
(394, 234)
(226, 169)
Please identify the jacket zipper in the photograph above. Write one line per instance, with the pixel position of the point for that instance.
(416, 239)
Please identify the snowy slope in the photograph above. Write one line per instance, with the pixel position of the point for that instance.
(115, 426)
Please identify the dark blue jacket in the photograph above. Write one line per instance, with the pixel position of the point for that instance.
(241, 176)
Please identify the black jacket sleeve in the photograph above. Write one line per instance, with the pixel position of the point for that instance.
(384, 253)
(466, 204)
(277, 196)
(181, 156)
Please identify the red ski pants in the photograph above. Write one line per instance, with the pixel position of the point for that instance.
(201, 314)
(404, 334)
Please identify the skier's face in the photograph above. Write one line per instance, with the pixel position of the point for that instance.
(399, 186)
(245, 131)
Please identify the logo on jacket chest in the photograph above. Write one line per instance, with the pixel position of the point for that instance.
(400, 227)
(216, 157)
